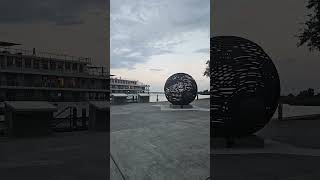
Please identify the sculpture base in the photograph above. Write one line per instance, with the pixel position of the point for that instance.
(242, 142)
(181, 106)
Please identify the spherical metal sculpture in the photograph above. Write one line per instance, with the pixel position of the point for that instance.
(245, 87)
(180, 89)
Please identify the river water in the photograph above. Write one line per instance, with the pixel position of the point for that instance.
(162, 97)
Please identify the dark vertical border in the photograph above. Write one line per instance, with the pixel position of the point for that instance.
(211, 129)
(107, 38)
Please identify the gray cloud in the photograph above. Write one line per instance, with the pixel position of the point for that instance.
(141, 29)
(155, 69)
(204, 50)
(59, 12)
(275, 32)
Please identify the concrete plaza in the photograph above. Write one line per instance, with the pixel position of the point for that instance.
(152, 141)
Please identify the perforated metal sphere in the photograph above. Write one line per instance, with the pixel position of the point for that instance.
(245, 87)
(180, 89)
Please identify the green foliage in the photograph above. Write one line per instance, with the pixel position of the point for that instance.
(207, 71)
(310, 34)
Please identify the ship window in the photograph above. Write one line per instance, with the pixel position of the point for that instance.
(2, 61)
(68, 66)
(27, 63)
(44, 64)
(53, 65)
(60, 82)
(81, 68)
(74, 66)
(9, 61)
(73, 82)
(18, 62)
(60, 66)
(36, 64)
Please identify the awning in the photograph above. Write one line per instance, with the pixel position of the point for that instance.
(30, 106)
(100, 104)
(119, 95)
(143, 94)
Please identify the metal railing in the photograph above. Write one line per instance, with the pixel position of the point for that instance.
(41, 54)
(46, 84)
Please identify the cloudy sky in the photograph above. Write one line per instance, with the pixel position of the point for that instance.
(152, 39)
(75, 27)
(272, 24)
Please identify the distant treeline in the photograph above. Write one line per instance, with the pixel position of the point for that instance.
(205, 92)
(304, 98)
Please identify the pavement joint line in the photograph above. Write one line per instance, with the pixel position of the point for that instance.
(273, 147)
(115, 163)
(167, 108)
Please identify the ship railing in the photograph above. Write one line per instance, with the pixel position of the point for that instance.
(41, 54)
(46, 84)
(57, 70)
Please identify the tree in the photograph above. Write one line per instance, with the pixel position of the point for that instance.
(291, 95)
(207, 71)
(310, 35)
(306, 93)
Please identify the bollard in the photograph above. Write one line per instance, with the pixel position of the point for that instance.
(197, 96)
(280, 111)
(157, 98)
(74, 117)
(84, 118)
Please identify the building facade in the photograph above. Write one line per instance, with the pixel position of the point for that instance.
(31, 75)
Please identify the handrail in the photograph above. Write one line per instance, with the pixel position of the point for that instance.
(62, 119)
(62, 111)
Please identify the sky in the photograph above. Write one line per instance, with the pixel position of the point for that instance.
(150, 40)
(74, 27)
(272, 24)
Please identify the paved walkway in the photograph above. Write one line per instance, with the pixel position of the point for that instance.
(271, 147)
(62, 156)
(292, 152)
(150, 142)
